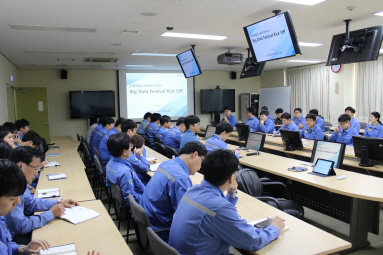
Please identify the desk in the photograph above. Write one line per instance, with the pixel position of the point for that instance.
(98, 234)
(67, 159)
(63, 138)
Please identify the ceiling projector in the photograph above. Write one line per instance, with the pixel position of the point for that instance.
(229, 58)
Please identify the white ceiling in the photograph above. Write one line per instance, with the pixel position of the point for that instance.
(314, 24)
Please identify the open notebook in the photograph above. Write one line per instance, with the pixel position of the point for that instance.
(56, 176)
(68, 249)
(78, 214)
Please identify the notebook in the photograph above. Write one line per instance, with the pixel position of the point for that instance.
(56, 176)
(68, 249)
(48, 193)
(78, 214)
(154, 167)
(52, 164)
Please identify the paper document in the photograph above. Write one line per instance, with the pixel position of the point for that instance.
(252, 223)
(154, 167)
(56, 176)
(52, 163)
(69, 249)
(150, 158)
(53, 155)
(78, 214)
(47, 193)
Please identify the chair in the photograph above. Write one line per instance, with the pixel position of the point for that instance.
(249, 182)
(88, 160)
(147, 142)
(326, 128)
(87, 144)
(327, 124)
(157, 139)
(170, 151)
(101, 180)
(157, 246)
(78, 137)
(363, 125)
(44, 144)
(121, 209)
(160, 148)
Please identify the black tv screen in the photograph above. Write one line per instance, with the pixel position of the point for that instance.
(189, 63)
(365, 46)
(87, 104)
(214, 100)
(273, 38)
(251, 69)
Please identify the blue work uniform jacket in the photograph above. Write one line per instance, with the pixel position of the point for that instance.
(270, 118)
(207, 223)
(7, 247)
(372, 131)
(141, 166)
(151, 131)
(19, 223)
(103, 147)
(253, 124)
(160, 132)
(291, 127)
(344, 136)
(163, 193)
(141, 128)
(301, 120)
(320, 122)
(267, 127)
(232, 120)
(215, 142)
(172, 138)
(315, 133)
(355, 124)
(188, 136)
(94, 133)
(95, 142)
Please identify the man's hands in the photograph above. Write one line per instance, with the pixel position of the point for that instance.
(233, 187)
(139, 151)
(68, 203)
(33, 247)
(336, 129)
(300, 125)
(275, 132)
(278, 222)
(262, 122)
(57, 210)
(93, 253)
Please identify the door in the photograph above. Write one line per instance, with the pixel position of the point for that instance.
(32, 104)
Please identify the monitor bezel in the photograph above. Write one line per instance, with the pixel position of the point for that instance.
(262, 140)
(195, 60)
(341, 153)
(284, 134)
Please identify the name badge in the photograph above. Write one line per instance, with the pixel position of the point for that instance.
(369, 129)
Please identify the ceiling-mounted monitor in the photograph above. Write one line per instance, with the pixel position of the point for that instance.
(189, 63)
(273, 38)
(251, 68)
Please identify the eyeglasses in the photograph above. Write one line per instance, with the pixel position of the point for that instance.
(131, 145)
(196, 124)
(343, 123)
(37, 168)
(201, 158)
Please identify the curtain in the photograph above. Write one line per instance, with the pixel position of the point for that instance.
(370, 89)
(310, 89)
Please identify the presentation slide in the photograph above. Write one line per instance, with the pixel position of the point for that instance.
(271, 39)
(188, 64)
(328, 151)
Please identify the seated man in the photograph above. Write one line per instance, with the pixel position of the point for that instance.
(90, 130)
(6, 135)
(266, 125)
(278, 120)
(253, 121)
(354, 123)
(192, 126)
(107, 124)
(144, 123)
(168, 185)
(32, 139)
(287, 124)
(13, 128)
(298, 118)
(12, 186)
(310, 130)
(217, 141)
(103, 148)
(172, 138)
(119, 170)
(165, 125)
(320, 121)
(22, 126)
(152, 128)
(97, 128)
(228, 117)
(138, 159)
(21, 221)
(344, 132)
(264, 108)
(5, 150)
(207, 222)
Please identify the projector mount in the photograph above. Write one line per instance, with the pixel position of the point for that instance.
(348, 42)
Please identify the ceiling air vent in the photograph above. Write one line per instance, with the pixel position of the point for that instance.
(101, 60)
(130, 32)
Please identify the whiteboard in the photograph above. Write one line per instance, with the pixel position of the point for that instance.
(275, 97)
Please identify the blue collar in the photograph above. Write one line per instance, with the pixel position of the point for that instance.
(121, 160)
(183, 165)
(214, 188)
(216, 137)
(188, 131)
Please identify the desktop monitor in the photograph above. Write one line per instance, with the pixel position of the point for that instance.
(291, 139)
(210, 131)
(243, 131)
(189, 63)
(330, 151)
(367, 148)
(255, 141)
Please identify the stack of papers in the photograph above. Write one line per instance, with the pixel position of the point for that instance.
(48, 193)
(154, 167)
(150, 158)
(69, 249)
(56, 176)
(78, 214)
(52, 163)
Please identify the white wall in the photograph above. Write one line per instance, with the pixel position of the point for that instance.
(274, 78)
(6, 69)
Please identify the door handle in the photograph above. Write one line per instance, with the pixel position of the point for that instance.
(46, 124)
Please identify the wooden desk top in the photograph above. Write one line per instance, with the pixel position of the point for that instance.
(63, 138)
(65, 146)
(67, 159)
(98, 234)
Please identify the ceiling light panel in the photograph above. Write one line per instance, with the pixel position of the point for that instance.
(139, 65)
(153, 54)
(304, 61)
(304, 2)
(379, 14)
(305, 44)
(194, 36)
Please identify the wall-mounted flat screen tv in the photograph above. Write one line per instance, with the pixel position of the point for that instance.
(88, 104)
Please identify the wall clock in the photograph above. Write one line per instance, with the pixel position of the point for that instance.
(336, 68)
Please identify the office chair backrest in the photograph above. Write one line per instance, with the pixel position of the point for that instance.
(157, 139)
(98, 165)
(78, 137)
(87, 144)
(141, 222)
(147, 142)
(158, 246)
(170, 151)
(160, 148)
(249, 182)
(363, 125)
(97, 153)
(88, 157)
(119, 199)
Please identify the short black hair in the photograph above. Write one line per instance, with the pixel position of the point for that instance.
(264, 113)
(21, 124)
(128, 124)
(279, 110)
(107, 121)
(191, 120)
(298, 109)
(180, 121)
(164, 119)
(32, 136)
(344, 118)
(349, 108)
(147, 115)
(25, 154)
(227, 108)
(117, 143)
(10, 126)
(219, 165)
(4, 131)
(264, 108)
(12, 179)
(5, 150)
(119, 121)
(314, 111)
(311, 116)
(155, 117)
(251, 110)
(192, 147)
(286, 115)
(223, 126)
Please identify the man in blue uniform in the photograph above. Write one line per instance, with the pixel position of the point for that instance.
(96, 129)
(103, 148)
(354, 123)
(310, 130)
(165, 125)
(228, 117)
(13, 185)
(192, 126)
(107, 124)
(21, 221)
(253, 121)
(217, 141)
(172, 138)
(278, 120)
(22, 126)
(144, 123)
(298, 118)
(119, 170)
(375, 129)
(266, 125)
(151, 129)
(319, 121)
(344, 132)
(264, 108)
(138, 160)
(168, 185)
(206, 222)
(287, 124)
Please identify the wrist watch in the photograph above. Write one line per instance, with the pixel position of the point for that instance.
(233, 195)
(59, 200)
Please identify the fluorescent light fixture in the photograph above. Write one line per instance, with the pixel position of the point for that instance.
(153, 54)
(381, 50)
(139, 65)
(305, 2)
(379, 14)
(304, 61)
(309, 44)
(194, 36)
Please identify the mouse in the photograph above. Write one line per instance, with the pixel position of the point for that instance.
(340, 177)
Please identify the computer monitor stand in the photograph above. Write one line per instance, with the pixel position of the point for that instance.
(364, 157)
(288, 145)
